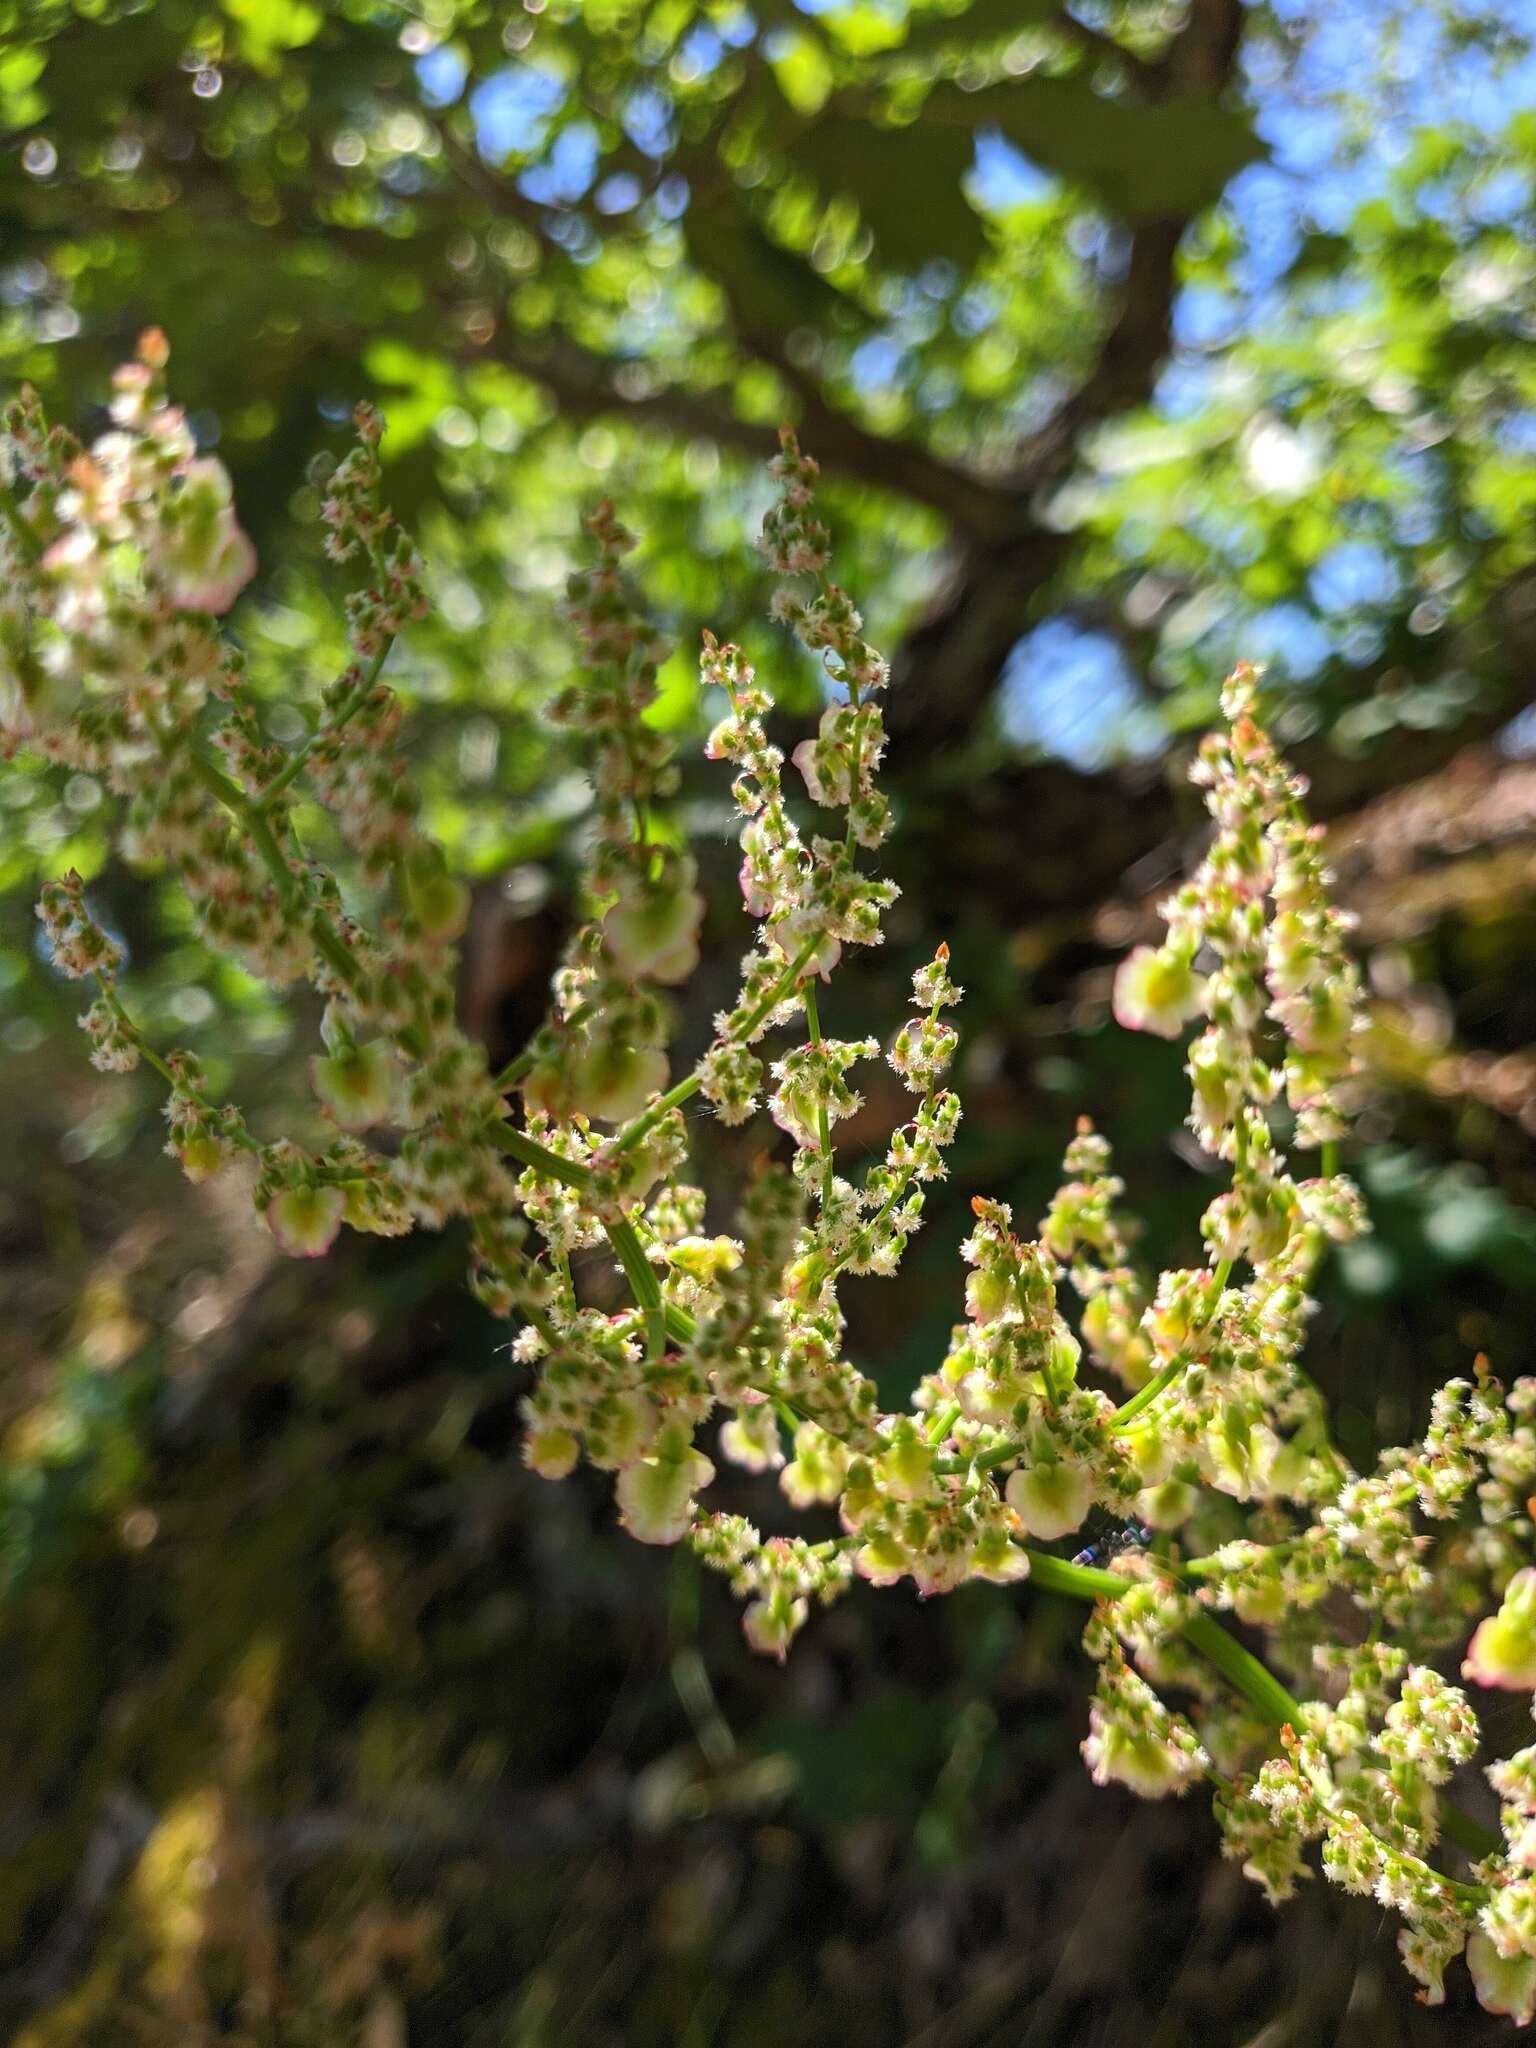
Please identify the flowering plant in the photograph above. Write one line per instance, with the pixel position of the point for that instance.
(118, 561)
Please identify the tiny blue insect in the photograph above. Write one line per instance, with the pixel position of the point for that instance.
(1129, 1536)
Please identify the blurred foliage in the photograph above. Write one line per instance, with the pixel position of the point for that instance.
(330, 1724)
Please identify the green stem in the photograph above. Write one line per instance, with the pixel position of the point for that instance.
(298, 761)
(1242, 1671)
(635, 1133)
(1166, 1375)
(823, 1127)
(131, 1031)
(325, 935)
(237, 1134)
(515, 1069)
(1145, 1396)
(983, 1461)
(943, 1422)
(1207, 1567)
(544, 1325)
(643, 1283)
(529, 1152)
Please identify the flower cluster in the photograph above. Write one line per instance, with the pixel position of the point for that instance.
(728, 1346)
(604, 1050)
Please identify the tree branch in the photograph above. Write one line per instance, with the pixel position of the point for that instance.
(990, 598)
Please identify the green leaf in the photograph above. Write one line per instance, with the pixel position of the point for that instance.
(1161, 162)
(907, 182)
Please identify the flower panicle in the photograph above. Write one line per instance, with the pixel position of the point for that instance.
(727, 1349)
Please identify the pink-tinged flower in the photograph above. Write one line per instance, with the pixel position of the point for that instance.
(939, 1569)
(1157, 990)
(755, 899)
(1050, 1500)
(202, 554)
(552, 1453)
(656, 1496)
(360, 1085)
(1502, 1651)
(821, 963)
(829, 781)
(305, 1220)
(654, 933)
(1504, 1984)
